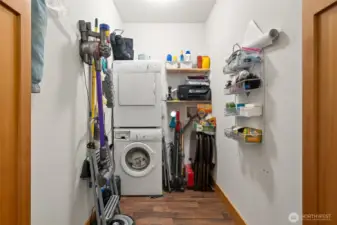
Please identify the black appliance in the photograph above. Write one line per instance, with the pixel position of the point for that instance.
(195, 88)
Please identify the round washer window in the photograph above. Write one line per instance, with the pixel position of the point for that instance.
(137, 159)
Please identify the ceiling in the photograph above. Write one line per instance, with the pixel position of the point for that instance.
(164, 11)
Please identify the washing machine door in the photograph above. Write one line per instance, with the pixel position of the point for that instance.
(137, 159)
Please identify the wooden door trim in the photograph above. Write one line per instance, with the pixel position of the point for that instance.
(23, 9)
(311, 8)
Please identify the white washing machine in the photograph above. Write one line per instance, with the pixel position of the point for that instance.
(138, 157)
(137, 93)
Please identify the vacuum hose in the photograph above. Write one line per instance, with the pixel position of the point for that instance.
(107, 88)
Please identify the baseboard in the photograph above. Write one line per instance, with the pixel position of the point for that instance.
(230, 207)
(91, 219)
(88, 222)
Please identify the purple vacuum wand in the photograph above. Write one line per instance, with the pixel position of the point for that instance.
(100, 109)
(105, 51)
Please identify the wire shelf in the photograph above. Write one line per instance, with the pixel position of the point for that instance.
(254, 137)
(244, 86)
(255, 111)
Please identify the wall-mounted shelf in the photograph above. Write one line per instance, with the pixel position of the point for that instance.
(192, 70)
(243, 59)
(244, 111)
(210, 130)
(243, 87)
(255, 138)
(245, 75)
(212, 133)
(186, 101)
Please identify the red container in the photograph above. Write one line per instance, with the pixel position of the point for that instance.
(199, 61)
(189, 176)
(178, 124)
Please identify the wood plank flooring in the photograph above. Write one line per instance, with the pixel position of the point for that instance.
(188, 208)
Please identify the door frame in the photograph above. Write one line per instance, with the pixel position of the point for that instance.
(23, 10)
(310, 184)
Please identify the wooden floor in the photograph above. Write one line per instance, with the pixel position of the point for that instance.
(189, 208)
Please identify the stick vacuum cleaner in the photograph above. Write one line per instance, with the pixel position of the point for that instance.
(101, 166)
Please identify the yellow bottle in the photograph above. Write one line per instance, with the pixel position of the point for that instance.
(206, 62)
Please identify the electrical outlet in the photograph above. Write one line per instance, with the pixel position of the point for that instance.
(265, 171)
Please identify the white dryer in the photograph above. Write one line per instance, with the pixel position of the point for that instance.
(138, 158)
(137, 93)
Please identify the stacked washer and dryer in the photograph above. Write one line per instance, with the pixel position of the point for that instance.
(137, 126)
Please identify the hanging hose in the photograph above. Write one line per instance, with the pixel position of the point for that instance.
(107, 88)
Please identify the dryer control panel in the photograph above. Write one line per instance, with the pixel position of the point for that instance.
(122, 135)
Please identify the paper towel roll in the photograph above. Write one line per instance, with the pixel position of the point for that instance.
(265, 40)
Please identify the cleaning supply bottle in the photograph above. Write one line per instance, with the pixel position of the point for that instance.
(169, 58)
(188, 56)
(206, 62)
(181, 57)
(173, 120)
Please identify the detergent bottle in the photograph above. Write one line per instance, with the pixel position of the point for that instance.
(206, 62)
(181, 57)
(188, 56)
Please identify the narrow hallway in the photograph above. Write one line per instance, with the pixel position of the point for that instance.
(189, 208)
(138, 97)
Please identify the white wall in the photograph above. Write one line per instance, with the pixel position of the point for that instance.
(59, 117)
(262, 198)
(159, 39)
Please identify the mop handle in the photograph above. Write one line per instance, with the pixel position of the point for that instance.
(93, 85)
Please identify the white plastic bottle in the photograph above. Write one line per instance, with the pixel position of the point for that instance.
(188, 57)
